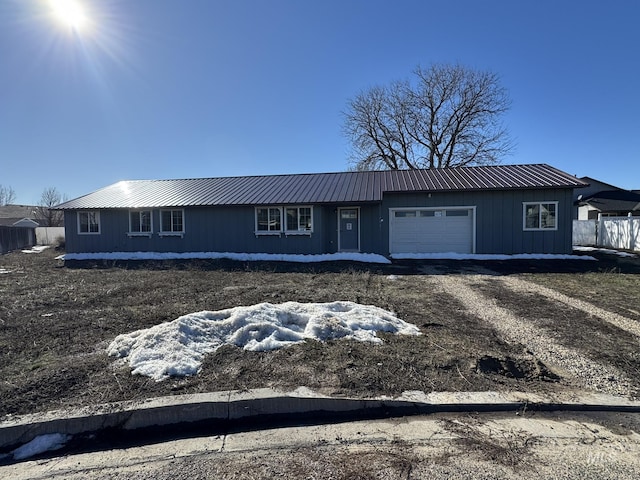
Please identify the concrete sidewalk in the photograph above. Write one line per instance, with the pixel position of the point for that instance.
(517, 444)
(224, 410)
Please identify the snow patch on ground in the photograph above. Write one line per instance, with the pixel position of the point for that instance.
(604, 250)
(41, 444)
(469, 256)
(176, 348)
(36, 249)
(328, 257)
(269, 257)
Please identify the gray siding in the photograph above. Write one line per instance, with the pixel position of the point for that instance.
(499, 219)
(330, 228)
(372, 230)
(370, 227)
(207, 229)
(231, 229)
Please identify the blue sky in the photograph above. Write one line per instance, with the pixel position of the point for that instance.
(206, 88)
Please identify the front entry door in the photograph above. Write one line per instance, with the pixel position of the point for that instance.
(349, 234)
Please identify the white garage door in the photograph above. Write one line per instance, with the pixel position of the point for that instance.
(431, 230)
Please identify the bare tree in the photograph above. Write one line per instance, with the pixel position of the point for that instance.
(45, 215)
(449, 117)
(7, 195)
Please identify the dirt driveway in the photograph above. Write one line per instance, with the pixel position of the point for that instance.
(552, 327)
(508, 304)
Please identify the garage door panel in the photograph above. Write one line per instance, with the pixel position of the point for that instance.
(431, 231)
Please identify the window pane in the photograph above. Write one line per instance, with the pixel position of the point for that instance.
(305, 218)
(263, 219)
(457, 213)
(292, 219)
(176, 223)
(427, 213)
(145, 221)
(275, 224)
(135, 221)
(548, 215)
(532, 216)
(406, 214)
(93, 222)
(166, 220)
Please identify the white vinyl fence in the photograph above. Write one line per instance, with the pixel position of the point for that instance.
(621, 233)
(585, 233)
(48, 235)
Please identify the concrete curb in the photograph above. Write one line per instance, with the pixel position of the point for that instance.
(228, 408)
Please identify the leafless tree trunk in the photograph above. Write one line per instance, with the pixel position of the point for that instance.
(449, 118)
(45, 215)
(7, 195)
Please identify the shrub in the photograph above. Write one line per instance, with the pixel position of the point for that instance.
(59, 242)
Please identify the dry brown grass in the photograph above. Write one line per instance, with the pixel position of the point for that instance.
(56, 322)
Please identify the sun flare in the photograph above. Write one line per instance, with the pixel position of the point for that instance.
(70, 13)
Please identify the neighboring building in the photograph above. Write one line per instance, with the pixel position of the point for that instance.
(18, 216)
(599, 198)
(505, 209)
(17, 227)
(18, 222)
(10, 214)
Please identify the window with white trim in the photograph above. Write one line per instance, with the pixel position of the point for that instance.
(140, 222)
(268, 220)
(89, 223)
(172, 222)
(540, 215)
(288, 220)
(299, 219)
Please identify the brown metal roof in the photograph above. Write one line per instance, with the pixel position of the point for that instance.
(318, 188)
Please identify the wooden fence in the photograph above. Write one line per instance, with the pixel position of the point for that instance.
(15, 238)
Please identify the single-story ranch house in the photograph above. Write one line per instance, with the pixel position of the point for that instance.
(504, 209)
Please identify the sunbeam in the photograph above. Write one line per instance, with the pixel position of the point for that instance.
(70, 14)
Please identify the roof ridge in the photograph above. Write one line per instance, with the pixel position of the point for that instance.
(355, 172)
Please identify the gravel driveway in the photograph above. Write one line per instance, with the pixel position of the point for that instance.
(519, 329)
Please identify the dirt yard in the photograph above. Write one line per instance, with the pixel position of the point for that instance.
(537, 326)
